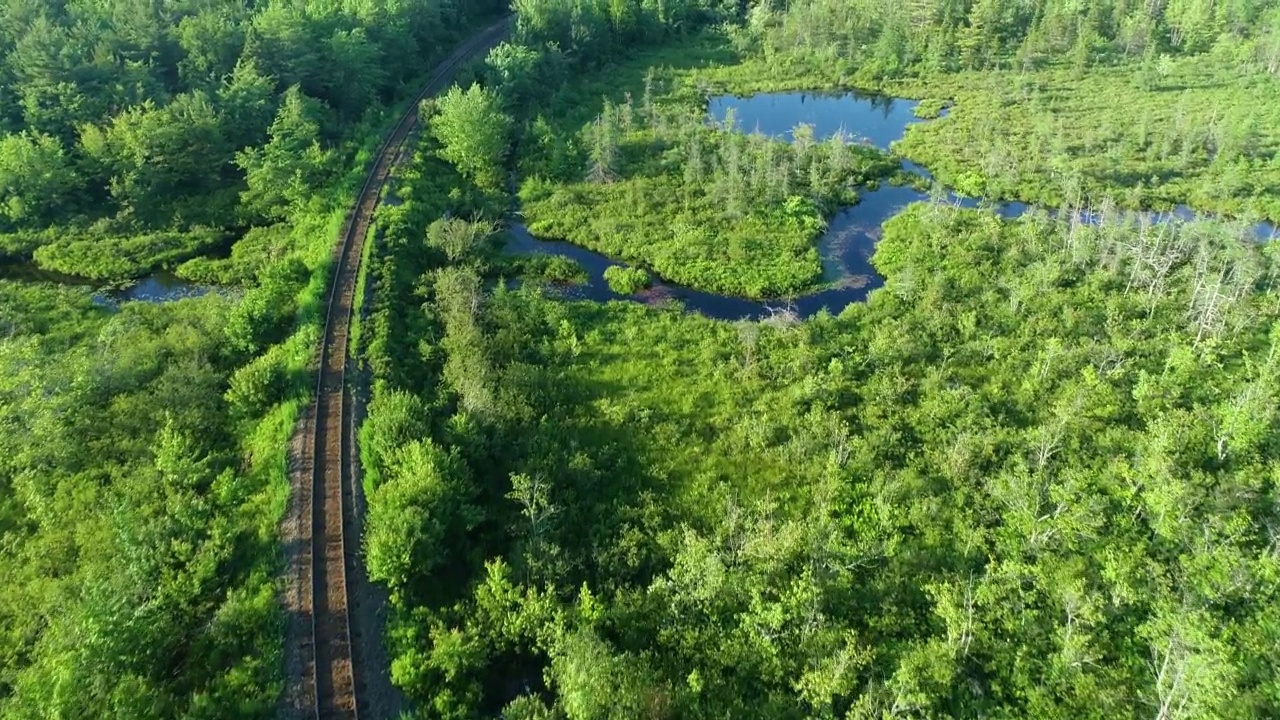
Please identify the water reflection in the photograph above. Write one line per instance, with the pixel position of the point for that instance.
(162, 286)
(876, 119)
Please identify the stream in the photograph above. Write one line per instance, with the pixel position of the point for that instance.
(851, 236)
(161, 286)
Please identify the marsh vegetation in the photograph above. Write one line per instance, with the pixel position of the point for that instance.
(943, 424)
(1030, 476)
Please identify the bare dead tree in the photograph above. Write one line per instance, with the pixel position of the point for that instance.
(782, 317)
(749, 337)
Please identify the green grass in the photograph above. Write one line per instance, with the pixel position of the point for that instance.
(668, 377)
(259, 247)
(55, 312)
(1202, 135)
(930, 108)
(645, 220)
(360, 308)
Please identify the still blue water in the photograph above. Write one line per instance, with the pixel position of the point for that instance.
(159, 287)
(873, 119)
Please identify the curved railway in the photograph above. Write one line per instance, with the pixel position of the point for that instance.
(334, 681)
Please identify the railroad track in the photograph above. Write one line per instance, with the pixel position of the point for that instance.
(333, 681)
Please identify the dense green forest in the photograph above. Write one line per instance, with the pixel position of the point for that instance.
(143, 447)
(186, 123)
(1032, 476)
(139, 544)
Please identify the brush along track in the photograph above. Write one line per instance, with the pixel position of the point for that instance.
(328, 678)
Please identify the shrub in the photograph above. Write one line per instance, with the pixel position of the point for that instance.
(554, 268)
(626, 280)
(123, 257)
(930, 108)
(255, 387)
(395, 418)
(971, 184)
(259, 247)
(20, 245)
(266, 313)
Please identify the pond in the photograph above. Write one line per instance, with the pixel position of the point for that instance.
(874, 119)
(851, 235)
(161, 286)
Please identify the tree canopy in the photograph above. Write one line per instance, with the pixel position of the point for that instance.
(474, 133)
(1032, 476)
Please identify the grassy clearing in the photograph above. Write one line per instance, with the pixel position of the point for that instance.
(1194, 132)
(644, 220)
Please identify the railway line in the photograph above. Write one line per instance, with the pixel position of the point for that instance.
(330, 674)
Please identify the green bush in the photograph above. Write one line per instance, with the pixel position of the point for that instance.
(19, 245)
(256, 387)
(259, 247)
(123, 257)
(266, 313)
(626, 280)
(930, 108)
(417, 514)
(551, 268)
(971, 184)
(395, 417)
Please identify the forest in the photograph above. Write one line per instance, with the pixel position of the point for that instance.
(144, 445)
(1033, 474)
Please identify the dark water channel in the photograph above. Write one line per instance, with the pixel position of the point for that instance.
(851, 235)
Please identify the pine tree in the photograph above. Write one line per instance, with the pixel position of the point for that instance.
(604, 146)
